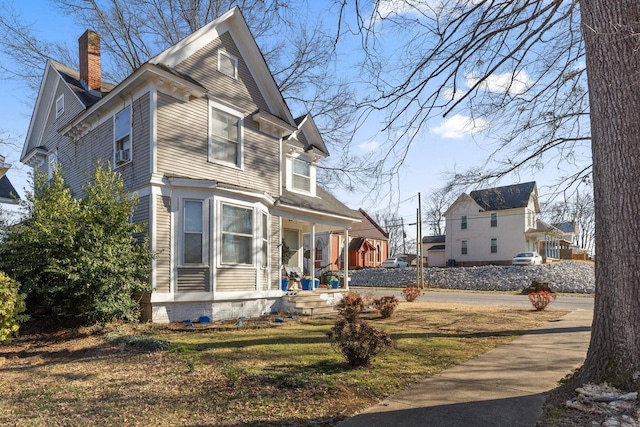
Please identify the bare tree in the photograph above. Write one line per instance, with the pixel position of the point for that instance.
(435, 206)
(395, 226)
(578, 210)
(522, 68)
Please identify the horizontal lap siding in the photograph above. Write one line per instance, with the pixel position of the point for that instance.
(235, 279)
(183, 127)
(193, 279)
(141, 215)
(163, 244)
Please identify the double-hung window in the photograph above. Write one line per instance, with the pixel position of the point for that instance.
(60, 106)
(494, 246)
(122, 137)
(463, 222)
(225, 139)
(52, 164)
(301, 175)
(494, 219)
(193, 236)
(265, 240)
(463, 250)
(237, 235)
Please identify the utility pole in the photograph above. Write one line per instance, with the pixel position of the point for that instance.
(404, 237)
(419, 245)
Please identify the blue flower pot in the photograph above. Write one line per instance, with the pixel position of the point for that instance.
(284, 284)
(335, 284)
(306, 285)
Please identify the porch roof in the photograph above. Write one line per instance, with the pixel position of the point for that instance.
(324, 205)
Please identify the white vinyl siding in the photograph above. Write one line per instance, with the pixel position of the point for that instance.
(227, 64)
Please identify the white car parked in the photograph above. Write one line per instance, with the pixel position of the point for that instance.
(394, 262)
(527, 258)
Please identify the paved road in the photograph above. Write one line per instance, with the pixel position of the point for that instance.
(478, 298)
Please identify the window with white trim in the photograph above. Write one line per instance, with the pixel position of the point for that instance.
(463, 249)
(494, 246)
(463, 222)
(192, 233)
(301, 175)
(227, 64)
(52, 164)
(122, 137)
(265, 240)
(225, 138)
(60, 106)
(494, 219)
(237, 235)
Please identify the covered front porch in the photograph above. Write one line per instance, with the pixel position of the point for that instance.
(547, 240)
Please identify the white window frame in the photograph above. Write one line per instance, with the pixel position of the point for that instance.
(205, 233)
(234, 61)
(222, 232)
(493, 219)
(52, 163)
(240, 142)
(464, 247)
(294, 174)
(265, 248)
(464, 222)
(122, 143)
(60, 106)
(494, 239)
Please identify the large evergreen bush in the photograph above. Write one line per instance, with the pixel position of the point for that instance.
(11, 307)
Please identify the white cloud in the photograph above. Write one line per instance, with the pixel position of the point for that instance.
(388, 8)
(516, 84)
(450, 95)
(368, 147)
(457, 126)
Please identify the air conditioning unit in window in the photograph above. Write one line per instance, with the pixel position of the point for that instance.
(122, 156)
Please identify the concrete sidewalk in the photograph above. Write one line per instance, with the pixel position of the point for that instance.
(504, 387)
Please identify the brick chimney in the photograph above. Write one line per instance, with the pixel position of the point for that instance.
(89, 44)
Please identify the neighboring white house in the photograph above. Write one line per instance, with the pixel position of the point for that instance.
(491, 226)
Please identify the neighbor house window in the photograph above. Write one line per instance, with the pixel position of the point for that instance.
(318, 250)
(494, 246)
(301, 175)
(237, 235)
(494, 219)
(225, 139)
(60, 106)
(122, 137)
(227, 64)
(193, 237)
(463, 222)
(265, 240)
(464, 247)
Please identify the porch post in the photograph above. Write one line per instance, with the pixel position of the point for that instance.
(346, 258)
(312, 256)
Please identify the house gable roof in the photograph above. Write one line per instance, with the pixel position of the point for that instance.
(433, 239)
(464, 197)
(234, 23)
(507, 197)
(566, 227)
(312, 139)
(369, 227)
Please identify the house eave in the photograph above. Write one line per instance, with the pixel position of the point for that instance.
(35, 158)
(312, 215)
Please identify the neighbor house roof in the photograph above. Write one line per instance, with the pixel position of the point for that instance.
(507, 197)
(369, 227)
(566, 227)
(437, 248)
(433, 239)
(8, 193)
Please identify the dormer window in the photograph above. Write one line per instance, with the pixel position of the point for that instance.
(60, 106)
(227, 64)
(301, 175)
(122, 137)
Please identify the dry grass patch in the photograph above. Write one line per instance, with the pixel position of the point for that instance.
(284, 375)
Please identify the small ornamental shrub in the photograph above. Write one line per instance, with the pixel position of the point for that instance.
(385, 305)
(541, 299)
(11, 308)
(358, 342)
(350, 306)
(410, 293)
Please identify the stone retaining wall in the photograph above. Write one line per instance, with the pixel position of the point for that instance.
(569, 276)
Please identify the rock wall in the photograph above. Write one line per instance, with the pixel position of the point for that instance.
(569, 276)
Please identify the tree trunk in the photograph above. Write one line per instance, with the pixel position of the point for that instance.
(612, 38)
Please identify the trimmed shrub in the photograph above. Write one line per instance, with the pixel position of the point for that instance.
(11, 308)
(351, 306)
(385, 305)
(541, 299)
(410, 293)
(358, 342)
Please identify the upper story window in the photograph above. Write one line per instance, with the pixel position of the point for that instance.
(52, 164)
(494, 246)
(494, 219)
(225, 137)
(237, 235)
(301, 175)
(463, 222)
(60, 106)
(122, 137)
(463, 249)
(227, 64)
(193, 236)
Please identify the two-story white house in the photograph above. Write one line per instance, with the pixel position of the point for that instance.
(223, 171)
(491, 226)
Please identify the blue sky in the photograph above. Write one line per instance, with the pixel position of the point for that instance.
(445, 145)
